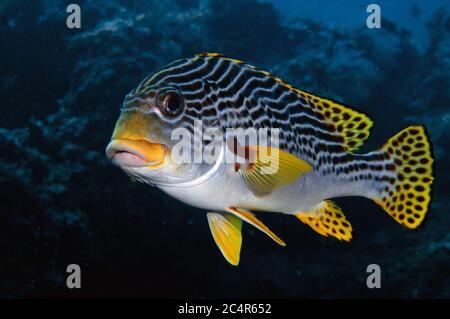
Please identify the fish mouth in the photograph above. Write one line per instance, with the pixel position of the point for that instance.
(136, 153)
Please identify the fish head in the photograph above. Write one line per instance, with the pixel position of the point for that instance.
(154, 120)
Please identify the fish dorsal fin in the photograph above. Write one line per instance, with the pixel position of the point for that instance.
(328, 220)
(226, 231)
(252, 220)
(218, 55)
(352, 126)
(270, 168)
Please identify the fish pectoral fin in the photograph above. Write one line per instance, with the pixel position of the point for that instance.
(272, 168)
(328, 220)
(226, 231)
(252, 220)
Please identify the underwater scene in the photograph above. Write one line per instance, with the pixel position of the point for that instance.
(93, 206)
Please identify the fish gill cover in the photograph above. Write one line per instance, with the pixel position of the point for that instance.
(62, 202)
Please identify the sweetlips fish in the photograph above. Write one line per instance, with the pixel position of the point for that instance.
(315, 157)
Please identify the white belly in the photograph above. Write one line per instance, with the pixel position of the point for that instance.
(227, 189)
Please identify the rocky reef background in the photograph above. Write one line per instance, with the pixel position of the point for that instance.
(62, 202)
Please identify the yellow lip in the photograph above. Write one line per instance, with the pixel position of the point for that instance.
(136, 153)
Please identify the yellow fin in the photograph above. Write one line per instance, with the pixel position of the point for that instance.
(409, 197)
(218, 55)
(251, 219)
(226, 231)
(328, 220)
(353, 126)
(272, 169)
(209, 54)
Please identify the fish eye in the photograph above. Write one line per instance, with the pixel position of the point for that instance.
(171, 103)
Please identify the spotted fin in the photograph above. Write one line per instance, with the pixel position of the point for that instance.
(407, 200)
(328, 220)
(226, 231)
(353, 126)
(251, 219)
(272, 169)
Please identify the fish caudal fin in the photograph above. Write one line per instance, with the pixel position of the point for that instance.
(408, 195)
(328, 220)
(226, 231)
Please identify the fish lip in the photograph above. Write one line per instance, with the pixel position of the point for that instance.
(131, 153)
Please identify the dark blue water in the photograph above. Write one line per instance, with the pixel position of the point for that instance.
(63, 203)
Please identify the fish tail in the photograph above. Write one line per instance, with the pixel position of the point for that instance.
(403, 183)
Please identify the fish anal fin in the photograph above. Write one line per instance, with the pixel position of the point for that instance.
(226, 231)
(272, 169)
(327, 219)
(313, 222)
(251, 219)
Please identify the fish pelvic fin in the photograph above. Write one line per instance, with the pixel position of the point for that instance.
(328, 220)
(407, 196)
(226, 231)
(252, 220)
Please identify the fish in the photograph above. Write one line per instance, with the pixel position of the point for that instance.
(313, 159)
